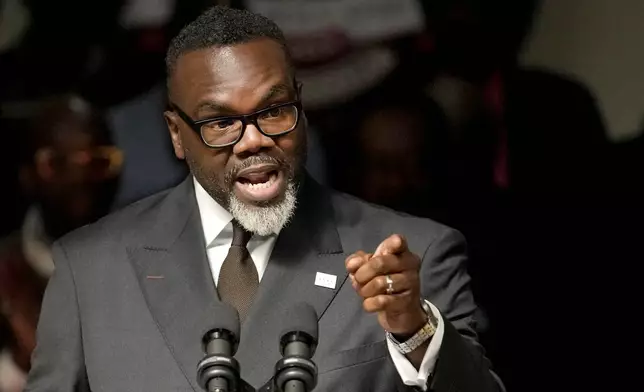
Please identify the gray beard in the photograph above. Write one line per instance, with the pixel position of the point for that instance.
(263, 219)
(267, 219)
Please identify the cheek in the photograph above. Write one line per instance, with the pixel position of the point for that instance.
(293, 145)
(287, 145)
(213, 163)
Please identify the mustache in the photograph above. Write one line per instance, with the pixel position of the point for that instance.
(253, 160)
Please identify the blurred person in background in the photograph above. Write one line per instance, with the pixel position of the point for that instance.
(69, 173)
(401, 157)
(102, 41)
(628, 156)
(528, 178)
(627, 160)
(520, 126)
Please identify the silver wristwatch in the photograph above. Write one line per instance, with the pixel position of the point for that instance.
(424, 334)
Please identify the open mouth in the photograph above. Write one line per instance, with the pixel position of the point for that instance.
(259, 183)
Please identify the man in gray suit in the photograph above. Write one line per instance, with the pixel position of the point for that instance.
(125, 307)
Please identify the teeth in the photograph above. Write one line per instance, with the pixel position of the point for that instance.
(263, 185)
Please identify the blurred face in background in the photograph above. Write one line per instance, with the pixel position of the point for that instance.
(74, 170)
(392, 170)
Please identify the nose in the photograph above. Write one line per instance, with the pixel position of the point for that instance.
(252, 141)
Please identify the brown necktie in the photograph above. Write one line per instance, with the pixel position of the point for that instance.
(238, 279)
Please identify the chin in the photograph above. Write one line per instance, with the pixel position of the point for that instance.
(264, 217)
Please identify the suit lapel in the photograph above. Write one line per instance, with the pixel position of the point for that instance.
(172, 269)
(310, 244)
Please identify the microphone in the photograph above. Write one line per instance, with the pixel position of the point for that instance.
(295, 372)
(219, 371)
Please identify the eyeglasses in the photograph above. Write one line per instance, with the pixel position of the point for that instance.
(98, 162)
(225, 131)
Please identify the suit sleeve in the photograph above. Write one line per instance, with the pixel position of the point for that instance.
(57, 361)
(461, 364)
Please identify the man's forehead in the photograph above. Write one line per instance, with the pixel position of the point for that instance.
(244, 65)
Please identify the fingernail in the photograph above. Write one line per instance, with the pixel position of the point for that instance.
(353, 263)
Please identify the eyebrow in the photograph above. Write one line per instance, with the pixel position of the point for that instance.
(276, 90)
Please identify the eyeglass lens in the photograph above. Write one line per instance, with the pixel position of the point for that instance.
(271, 122)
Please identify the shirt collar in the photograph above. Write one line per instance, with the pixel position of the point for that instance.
(214, 217)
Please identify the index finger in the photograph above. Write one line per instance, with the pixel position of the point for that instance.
(356, 260)
(392, 245)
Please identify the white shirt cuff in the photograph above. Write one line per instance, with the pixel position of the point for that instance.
(408, 373)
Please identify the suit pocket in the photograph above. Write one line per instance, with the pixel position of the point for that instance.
(352, 357)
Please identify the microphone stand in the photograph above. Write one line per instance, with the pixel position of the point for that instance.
(218, 373)
(295, 374)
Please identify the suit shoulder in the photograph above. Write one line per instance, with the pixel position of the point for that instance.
(114, 227)
(381, 221)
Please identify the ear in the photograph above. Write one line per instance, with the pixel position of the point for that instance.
(306, 119)
(171, 121)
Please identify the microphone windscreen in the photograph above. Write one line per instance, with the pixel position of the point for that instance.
(301, 318)
(222, 316)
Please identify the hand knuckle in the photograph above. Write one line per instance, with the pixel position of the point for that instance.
(382, 283)
(362, 291)
(379, 264)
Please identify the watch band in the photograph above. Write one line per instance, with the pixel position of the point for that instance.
(424, 334)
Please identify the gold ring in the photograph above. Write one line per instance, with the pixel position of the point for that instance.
(390, 284)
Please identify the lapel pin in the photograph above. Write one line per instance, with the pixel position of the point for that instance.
(325, 280)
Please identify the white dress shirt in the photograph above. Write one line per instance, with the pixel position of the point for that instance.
(218, 236)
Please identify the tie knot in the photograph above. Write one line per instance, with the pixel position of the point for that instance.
(241, 236)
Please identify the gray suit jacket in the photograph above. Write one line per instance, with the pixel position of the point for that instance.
(123, 309)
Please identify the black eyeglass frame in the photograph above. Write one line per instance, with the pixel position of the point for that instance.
(245, 119)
